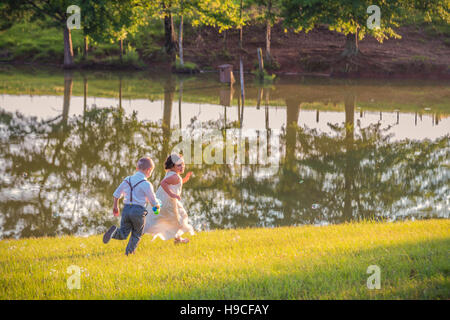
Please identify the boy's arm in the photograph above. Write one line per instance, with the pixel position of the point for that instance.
(151, 197)
(116, 207)
(117, 195)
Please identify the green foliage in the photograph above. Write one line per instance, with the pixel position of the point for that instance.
(265, 10)
(187, 67)
(263, 76)
(272, 64)
(105, 22)
(223, 14)
(346, 16)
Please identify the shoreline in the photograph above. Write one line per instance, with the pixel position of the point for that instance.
(151, 69)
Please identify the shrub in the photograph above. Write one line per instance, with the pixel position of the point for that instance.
(188, 67)
(263, 76)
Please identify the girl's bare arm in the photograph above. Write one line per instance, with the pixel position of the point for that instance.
(187, 176)
(174, 179)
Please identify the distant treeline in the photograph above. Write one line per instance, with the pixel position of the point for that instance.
(114, 20)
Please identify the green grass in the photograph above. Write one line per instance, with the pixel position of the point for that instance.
(307, 262)
(36, 42)
(32, 42)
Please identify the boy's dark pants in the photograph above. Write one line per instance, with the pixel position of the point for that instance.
(133, 219)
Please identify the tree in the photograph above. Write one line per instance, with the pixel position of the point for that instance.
(105, 20)
(95, 16)
(270, 14)
(99, 20)
(53, 13)
(221, 14)
(123, 19)
(345, 16)
(164, 9)
(436, 11)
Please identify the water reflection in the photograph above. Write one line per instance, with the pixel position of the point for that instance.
(58, 173)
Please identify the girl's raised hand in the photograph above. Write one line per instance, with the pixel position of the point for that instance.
(187, 177)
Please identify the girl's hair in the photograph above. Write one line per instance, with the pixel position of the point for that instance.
(172, 160)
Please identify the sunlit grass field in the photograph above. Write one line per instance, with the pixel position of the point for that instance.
(307, 262)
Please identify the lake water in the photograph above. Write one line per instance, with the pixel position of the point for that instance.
(340, 150)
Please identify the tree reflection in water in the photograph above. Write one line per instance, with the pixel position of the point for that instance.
(58, 175)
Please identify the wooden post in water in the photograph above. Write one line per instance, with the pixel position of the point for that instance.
(85, 90)
(260, 61)
(68, 84)
(179, 103)
(241, 72)
(260, 96)
(267, 110)
(120, 92)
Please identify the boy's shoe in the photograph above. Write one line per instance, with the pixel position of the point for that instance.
(108, 235)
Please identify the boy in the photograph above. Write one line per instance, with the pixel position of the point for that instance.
(137, 191)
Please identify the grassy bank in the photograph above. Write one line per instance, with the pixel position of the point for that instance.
(37, 43)
(421, 53)
(305, 262)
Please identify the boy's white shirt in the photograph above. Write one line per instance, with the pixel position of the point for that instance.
(142, 193)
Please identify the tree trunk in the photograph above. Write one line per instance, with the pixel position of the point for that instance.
(68, 50)
(268, 34)
(86, 47)
(121, 49)
(170, 44)
(268, 31)
(351, 45)
(180, 41)
(240, 38)
(225, 39)
(240, 28)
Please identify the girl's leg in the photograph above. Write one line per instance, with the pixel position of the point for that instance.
(181, 240)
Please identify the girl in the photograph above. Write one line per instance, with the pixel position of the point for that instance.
(172, 221)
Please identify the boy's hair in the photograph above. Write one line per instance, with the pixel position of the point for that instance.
(172, 160)
(145, 163)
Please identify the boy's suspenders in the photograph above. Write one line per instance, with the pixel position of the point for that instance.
(132, 188)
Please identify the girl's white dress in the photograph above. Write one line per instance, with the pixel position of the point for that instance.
(172, 220)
